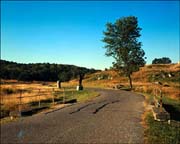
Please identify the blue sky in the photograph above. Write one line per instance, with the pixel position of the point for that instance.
(71, 32)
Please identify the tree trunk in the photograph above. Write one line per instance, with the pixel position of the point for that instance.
(80, 81)
(81, 76)
(60, 84)
(130, 81)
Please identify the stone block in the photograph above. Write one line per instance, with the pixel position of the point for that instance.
(160, 114)
(15, 114)
(78, 88)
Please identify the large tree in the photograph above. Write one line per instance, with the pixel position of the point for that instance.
(122, 44)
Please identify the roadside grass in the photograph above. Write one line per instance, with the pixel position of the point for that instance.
(69, 94)
(82, 96)
(161, 132)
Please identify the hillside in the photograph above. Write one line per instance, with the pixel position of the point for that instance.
(143, 80)
(41, 71)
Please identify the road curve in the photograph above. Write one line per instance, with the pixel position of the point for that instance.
(113, 117)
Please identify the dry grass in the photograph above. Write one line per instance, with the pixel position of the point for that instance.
(29, 92)
(141, 81)
(10, 90)
(171, 92)
(26, 96)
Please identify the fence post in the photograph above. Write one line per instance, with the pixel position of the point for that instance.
(20, 102)
(155, 96)
(156, 92)
(161, 100)
(53, 95)
(39, 98)
(64, 96)
(2, 99)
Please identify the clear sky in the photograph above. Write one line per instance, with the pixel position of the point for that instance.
(71, 32)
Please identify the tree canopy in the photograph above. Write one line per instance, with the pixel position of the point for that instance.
(163, 60)
(122, 44)
(40, 71)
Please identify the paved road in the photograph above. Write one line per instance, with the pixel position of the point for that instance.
(113, 117)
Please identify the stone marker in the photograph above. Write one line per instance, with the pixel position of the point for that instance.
(58, 84)
(14, 114)
(78, 88)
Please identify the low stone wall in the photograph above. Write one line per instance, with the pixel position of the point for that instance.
(160, 114)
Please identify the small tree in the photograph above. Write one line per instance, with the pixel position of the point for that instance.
(63, 76)
(163, 60)
(122, 44)
(81, 74)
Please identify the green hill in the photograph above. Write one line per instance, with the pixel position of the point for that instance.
(40, 71)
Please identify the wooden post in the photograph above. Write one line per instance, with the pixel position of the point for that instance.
(39, 98)
(64, 96)
(53, 96)
(2, 99)
(156, 92)
(160, 101)
(20, 101)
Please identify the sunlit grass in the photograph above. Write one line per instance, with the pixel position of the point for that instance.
(35, 95)
(81, 96)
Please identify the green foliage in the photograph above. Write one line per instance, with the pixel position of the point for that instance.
(163, 60)
(122, 44)
(64, 76)
(40, 71)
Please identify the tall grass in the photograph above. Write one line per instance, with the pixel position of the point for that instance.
(32, 94)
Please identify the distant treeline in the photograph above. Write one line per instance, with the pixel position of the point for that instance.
(41, 71)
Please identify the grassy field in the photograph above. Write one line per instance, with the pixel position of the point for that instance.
(37, 95)
(143, 80)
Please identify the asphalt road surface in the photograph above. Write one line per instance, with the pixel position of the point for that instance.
(113, 117)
